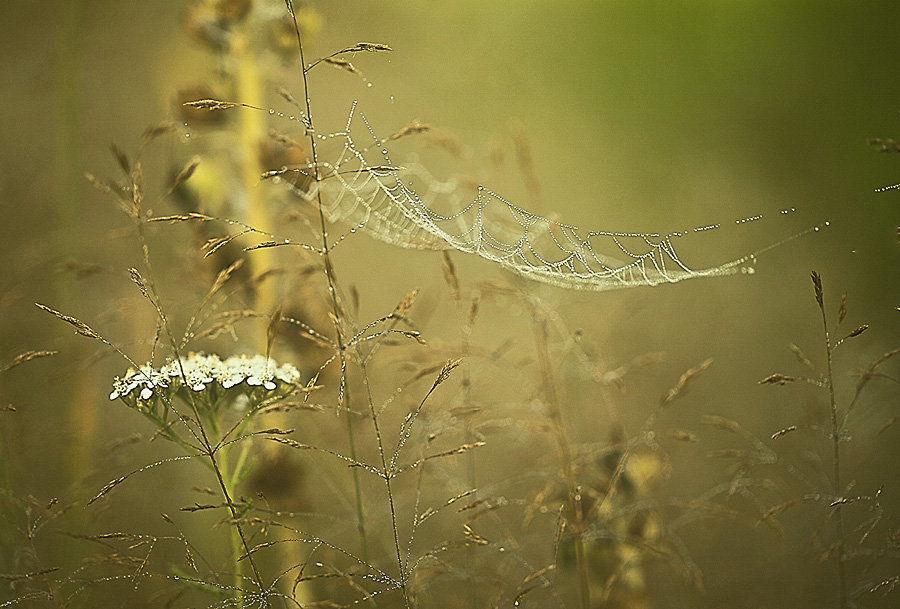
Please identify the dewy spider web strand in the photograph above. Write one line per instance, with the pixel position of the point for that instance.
(380, 199)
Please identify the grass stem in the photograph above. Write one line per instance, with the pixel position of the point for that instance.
(542, 338)
(836, 444)
(332, 289)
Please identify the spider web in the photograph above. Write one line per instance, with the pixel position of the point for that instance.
(408, 207)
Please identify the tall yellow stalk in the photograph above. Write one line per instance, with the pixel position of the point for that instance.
(248, 89)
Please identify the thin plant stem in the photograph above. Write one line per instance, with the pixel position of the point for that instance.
(231, 476)
(329, 274)
(542, 330)
(836, 443)
(388, 474)
(223, 486)
(237, 543)
(467, 317)
(357, 487)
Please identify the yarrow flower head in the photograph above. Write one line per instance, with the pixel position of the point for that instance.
(206, 382)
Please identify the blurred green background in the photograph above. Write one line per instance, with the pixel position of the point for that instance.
(640, 115)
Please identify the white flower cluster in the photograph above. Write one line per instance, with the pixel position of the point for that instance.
(200, 372)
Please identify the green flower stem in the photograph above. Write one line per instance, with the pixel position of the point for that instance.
(230, 481)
